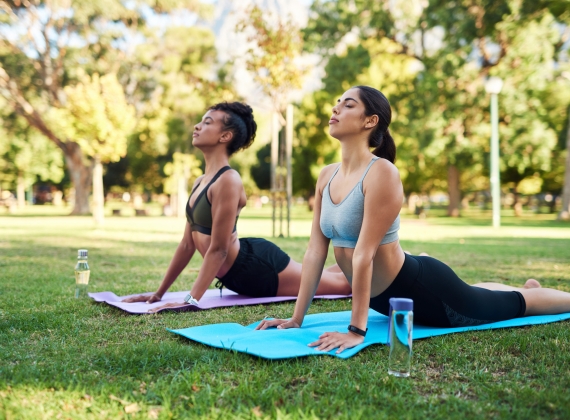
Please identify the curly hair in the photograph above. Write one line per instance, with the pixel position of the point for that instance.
(239, 120)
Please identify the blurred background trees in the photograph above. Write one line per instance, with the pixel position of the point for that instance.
(431, 59)
(165, 63)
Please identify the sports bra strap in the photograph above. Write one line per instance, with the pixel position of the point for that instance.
(368, 168)
(220, 172)
(205, 190)
(334, 173)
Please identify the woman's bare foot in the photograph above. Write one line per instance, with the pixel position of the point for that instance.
(421, 254)
(531, 284)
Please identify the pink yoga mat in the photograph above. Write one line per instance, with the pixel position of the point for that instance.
(211, 299)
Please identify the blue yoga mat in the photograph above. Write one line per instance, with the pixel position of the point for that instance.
(284, 344)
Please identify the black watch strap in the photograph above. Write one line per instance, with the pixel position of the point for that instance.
(358, 331)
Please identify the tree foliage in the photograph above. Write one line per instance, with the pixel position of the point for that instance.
(273, 58)
(441, 54)
(43, 46)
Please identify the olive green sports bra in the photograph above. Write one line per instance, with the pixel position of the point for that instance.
(200, 216)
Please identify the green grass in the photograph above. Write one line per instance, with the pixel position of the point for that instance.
(66, 358)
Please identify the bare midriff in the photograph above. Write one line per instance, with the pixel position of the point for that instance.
(386, 265)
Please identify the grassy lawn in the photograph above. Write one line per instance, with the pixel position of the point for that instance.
(66, 358)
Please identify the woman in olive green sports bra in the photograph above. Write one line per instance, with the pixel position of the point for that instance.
(249, 266)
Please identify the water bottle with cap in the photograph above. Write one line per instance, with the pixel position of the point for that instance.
(400, 325)
(81, 274)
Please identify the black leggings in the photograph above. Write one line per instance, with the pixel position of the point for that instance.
(442, 299)
(255, 271)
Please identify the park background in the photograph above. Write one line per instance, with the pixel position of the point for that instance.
(99, 101)
(97, 105)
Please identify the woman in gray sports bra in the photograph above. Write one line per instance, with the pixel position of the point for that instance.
(357, 207)
(249, 266)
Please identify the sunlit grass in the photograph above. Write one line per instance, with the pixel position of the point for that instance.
(77, 359)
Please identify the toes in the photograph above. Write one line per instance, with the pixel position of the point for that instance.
(531, 284)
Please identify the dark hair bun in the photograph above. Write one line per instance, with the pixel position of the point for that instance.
(239, 120)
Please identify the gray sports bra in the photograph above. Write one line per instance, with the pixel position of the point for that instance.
(342, 222)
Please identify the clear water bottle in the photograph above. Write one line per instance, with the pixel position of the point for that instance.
(400, 326)
(81, 274)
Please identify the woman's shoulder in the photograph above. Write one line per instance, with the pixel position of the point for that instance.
(228, 186)
(384, 166)
(231, 177)
(385, 171)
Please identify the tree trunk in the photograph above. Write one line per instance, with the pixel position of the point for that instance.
(518, 205)
(182, 189)
(565, 211)
(80, 173)
(21, 192)
(98, 195)
(81, 177)
(453, 191)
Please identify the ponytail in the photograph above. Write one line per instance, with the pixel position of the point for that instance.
(375, 103)
(385, 147)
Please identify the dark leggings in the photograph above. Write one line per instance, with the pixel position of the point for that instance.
(256, 269)
(442, 299)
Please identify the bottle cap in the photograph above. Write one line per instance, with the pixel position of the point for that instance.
(401, 304)
(82, 253)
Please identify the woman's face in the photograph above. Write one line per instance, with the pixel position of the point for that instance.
(348, 115)
(210, 130)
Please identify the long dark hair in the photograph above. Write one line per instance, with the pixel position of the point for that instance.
(375, 103)
(239, 120)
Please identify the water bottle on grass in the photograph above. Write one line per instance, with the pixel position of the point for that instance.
(400, 327)
(81, 274)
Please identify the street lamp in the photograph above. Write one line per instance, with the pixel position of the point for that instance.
(493, 86)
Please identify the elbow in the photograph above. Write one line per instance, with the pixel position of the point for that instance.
(187, 247)
(314, 255)
(220, 252)
(362, 259)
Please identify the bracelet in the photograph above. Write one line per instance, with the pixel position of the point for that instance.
(189, 299)
(358, 331)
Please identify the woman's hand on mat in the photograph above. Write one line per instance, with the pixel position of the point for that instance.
(166, 306)
(281, 324)
(332, 340)
(142, 298)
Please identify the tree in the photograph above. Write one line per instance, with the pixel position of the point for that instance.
(261, 170)
(25, 155)
(565, 210)
(171, 80)
(42, 46)
(273, 59)
(455, 46)
(98, 117)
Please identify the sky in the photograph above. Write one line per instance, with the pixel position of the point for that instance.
(233, 46)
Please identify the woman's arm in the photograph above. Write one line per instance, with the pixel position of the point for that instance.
(225, 198)
(313, 263)
(382, 204)
(180, 260)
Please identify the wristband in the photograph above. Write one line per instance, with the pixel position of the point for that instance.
(358, 331)
(189, 299)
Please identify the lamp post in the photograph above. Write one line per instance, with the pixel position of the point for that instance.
(493, 86)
